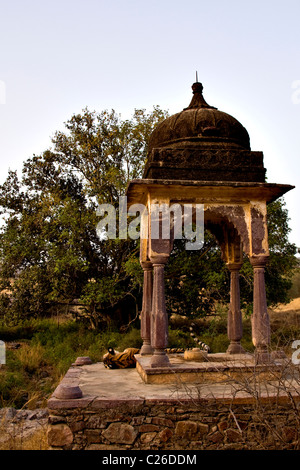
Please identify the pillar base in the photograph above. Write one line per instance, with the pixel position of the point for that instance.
(146, 349)
(160, 359)
(235, 347)
(262, 356)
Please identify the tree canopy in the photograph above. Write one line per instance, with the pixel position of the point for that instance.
(50, 253)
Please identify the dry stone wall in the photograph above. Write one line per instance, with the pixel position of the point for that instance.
(173, 425)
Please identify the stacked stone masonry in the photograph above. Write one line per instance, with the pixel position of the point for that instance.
(174, 425)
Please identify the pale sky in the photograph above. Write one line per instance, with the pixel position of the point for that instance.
(57, 57)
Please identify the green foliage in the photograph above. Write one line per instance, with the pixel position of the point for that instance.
(180, 339)
(46, 352)
(49, 245)
(295, 289)
(195, 280)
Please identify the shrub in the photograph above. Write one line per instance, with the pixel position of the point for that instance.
(31, 357)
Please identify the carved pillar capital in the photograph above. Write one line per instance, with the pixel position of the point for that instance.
(259, 261)
(159, 260)
(146, 265)
(234, 266)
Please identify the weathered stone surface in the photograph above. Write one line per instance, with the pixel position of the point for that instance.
(83, 360)
(137, 420)
(93, 436)
(146, 308)
(148, 428)
(223, 425)
(147, 437)
(67, 392)
(163, 422)
(76, 426)
(59, 435)
(120, 433)
(215, 437)
(187, 429)
(165, 435)
(96, 422)
(203, 429)
(233, 435)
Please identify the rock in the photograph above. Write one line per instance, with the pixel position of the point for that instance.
(8, 413)
(20, 414)
(59, 435)
(233, 435)
(186, 429)
(42, 413)
(215, 437)
(120, 433)
(148, 437)
(165, 435)
(32, 414)
(21, 424)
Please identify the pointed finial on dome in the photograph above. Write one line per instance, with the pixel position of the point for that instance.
(198, 101)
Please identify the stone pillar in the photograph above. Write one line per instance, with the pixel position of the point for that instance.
(159, 321)
(260, 317)
(234, 325)
(146, 308)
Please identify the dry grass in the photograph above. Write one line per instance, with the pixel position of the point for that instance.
(16, 436)
(31, 357)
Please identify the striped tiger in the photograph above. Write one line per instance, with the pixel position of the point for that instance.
(115, 360)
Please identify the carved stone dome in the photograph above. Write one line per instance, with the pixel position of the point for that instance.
(204, 144)
(197, 123)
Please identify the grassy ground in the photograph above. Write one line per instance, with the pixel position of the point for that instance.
(39, 353)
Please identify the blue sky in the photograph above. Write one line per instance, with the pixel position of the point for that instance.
(58, 57)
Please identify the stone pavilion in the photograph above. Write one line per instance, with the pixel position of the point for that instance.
(198, 156)
(202, 155)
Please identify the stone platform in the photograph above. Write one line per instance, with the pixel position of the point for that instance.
(95, 408)
(217, 368)
(86, 384)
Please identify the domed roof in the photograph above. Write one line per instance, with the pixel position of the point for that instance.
(197, 123)
(202, 143)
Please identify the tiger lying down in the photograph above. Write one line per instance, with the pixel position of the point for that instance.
(124, 360)
(115, 360)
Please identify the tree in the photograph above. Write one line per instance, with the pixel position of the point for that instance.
(49, 244)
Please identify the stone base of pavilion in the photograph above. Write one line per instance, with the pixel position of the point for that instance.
(94, 408)
(217, 368)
